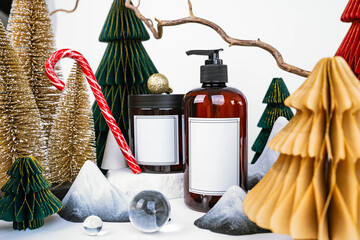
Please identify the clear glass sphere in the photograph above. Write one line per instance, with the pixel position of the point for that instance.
(93, 225)
(149, 211)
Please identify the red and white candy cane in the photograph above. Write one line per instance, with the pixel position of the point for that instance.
(49, 68)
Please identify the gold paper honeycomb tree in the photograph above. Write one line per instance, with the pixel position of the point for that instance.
(312, 191)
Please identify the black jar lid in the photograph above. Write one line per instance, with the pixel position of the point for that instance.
(155, 101)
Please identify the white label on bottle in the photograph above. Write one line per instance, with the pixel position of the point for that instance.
(213, 155)
(156, 140)
(183, 138)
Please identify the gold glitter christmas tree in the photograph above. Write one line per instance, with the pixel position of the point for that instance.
(31, 34)
(20, 124)
(72, 139)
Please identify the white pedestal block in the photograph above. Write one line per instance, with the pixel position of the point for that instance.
(171, 185)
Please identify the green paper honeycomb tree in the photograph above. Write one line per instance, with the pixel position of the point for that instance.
(123, 70)
(275, 97)
(27, 199)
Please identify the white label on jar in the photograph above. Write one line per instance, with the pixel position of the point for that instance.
(213, 155)
(156, 140)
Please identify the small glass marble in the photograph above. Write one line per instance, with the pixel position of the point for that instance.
(93, 225)
(149, 211)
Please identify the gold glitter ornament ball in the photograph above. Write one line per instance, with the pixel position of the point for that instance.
(158, 84)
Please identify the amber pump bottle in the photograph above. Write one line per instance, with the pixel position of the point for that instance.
(215, 135)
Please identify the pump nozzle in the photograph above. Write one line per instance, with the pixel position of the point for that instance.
(213, 55)
(213, 70)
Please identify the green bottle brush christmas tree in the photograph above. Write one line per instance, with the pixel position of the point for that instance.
(275, 98)
(123, 70)
(27, 199)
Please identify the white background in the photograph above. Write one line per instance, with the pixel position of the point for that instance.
(304, 31)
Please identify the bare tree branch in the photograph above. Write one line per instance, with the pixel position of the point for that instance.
(69, 11)
(232, 41)
(190, 9)
(138, 4)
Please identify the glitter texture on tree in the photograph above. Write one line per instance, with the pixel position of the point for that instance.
(31, 35)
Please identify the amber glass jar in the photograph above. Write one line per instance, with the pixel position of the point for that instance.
(156, 132)
(216, 143)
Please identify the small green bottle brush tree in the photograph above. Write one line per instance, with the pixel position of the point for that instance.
(274, 98)
(123, 70)
(27, 199)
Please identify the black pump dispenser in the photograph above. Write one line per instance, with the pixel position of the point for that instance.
(213, 71)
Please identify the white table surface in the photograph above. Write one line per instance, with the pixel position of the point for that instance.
(181, 227)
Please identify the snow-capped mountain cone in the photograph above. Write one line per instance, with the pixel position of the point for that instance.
(228, 216)
(92, 194)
